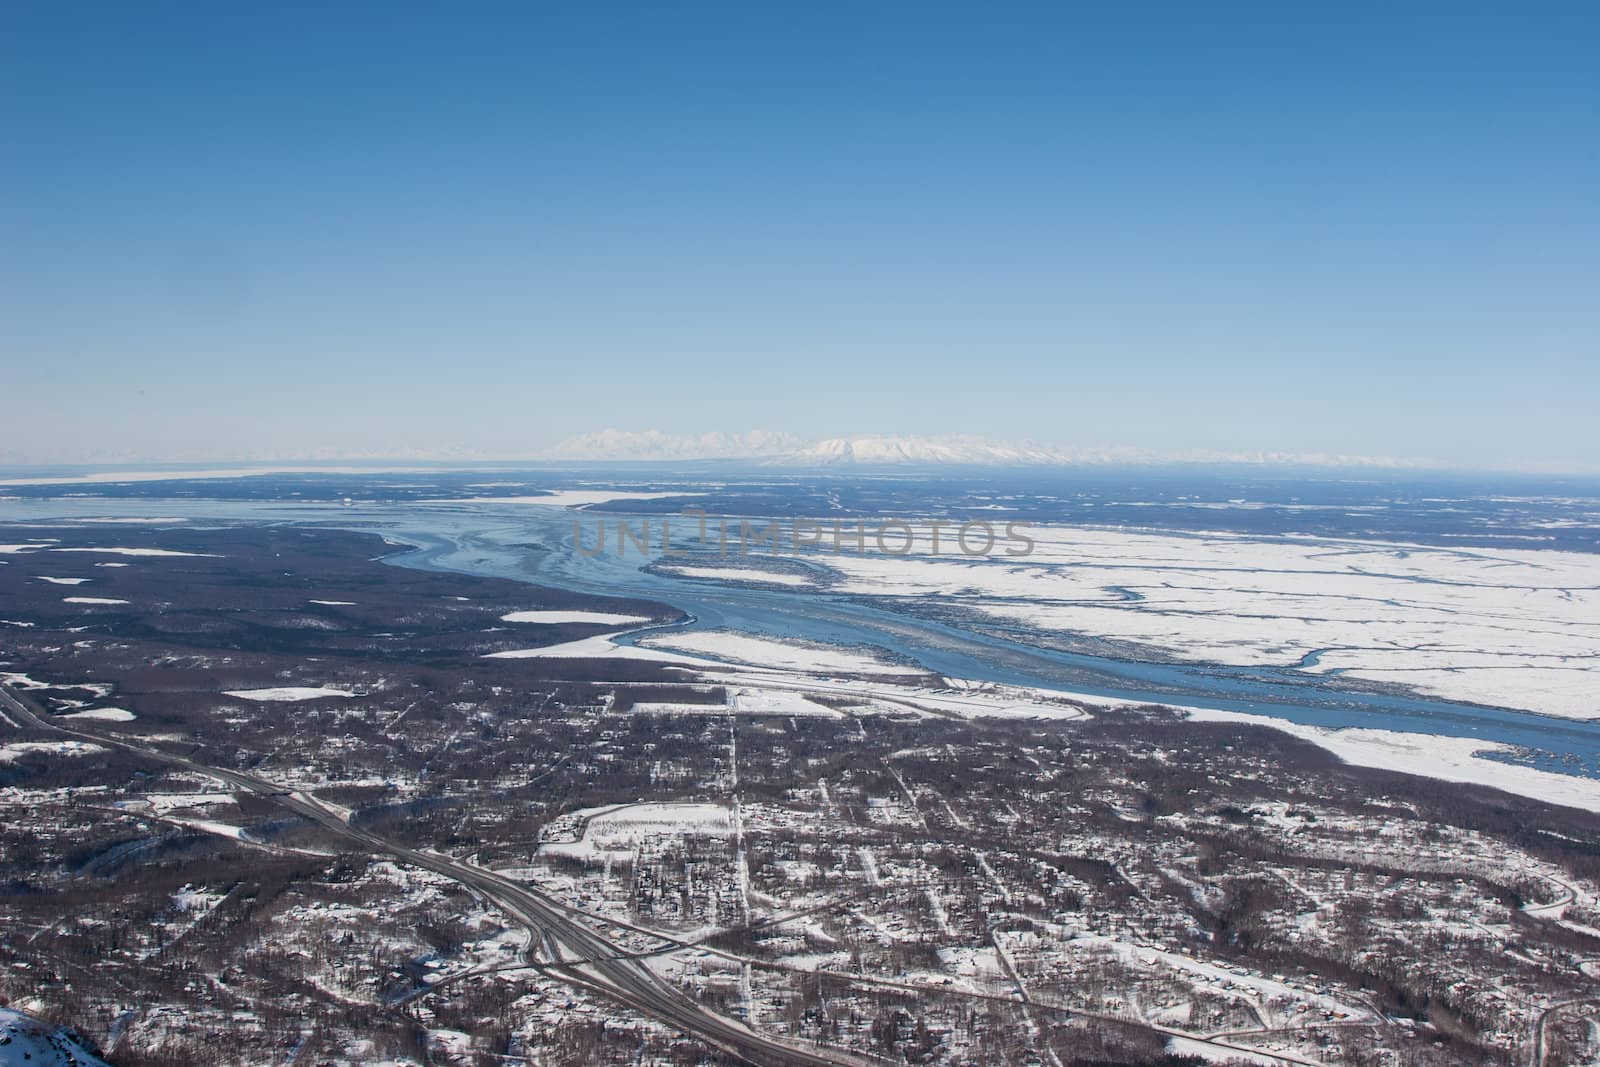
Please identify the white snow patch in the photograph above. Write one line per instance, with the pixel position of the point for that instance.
(772, 653)
(606, 618)
(739, 574)
(19, 749)
(138, 552)
(1217, 1053)
(30, 1041)
(91, 600)
(621, 828)
(288, 693)
(599, 647)
(778, 702)
(1450, 759)
(104, 715)
(564, 498)
(1512, 628)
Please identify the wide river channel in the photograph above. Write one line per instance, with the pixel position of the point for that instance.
(534, 543)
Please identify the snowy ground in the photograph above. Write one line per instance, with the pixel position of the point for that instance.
(288, 693)
(104, 715)
(135, 551)
(738, 574)
(591, 833)
(20, 749)
(604, 618)
(599, 647)
(1511, 628)
(565, 498)
(25, 1042)
(733, 647)
(1450, 759)
(752, 700)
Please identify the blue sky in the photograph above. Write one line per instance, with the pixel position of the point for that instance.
(244, 231)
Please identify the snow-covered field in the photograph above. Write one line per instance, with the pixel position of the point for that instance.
(163, 803)
(708, 648)
(288, 693)
(758, 701)
(602, 618)
(593, 832)
(20, 749)
(748, 701)
(565, 498)
(1450, 759)
(1512, 628)
(137, 552)
(128, 477)
(599, 647)
(739, 574)
(28, 1042)
(732, 647)
(103, 715)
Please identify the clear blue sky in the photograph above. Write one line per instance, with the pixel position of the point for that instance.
(241, 230)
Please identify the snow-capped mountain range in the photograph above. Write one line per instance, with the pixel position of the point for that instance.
(779, 449)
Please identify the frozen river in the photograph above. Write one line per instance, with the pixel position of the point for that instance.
(535, 544)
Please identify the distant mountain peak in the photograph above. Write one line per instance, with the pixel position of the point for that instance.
(920, 450)
(781, 449)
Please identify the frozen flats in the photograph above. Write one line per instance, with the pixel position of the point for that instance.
(1510, 628)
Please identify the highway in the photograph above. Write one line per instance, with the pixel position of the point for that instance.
(589, 961)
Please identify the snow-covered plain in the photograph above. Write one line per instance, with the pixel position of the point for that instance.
(28, 546)
(137, 552)
(19, 749)
(599, 647)
(1507, 627)
(103, 715)
(285, 693)
(594, 832)
(1450, 759)
(125, 477)
(565, 498)
(733, 647)
(739, 574)
(710, 648)
(29, 1042)
(754, 700)
(605, 618)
